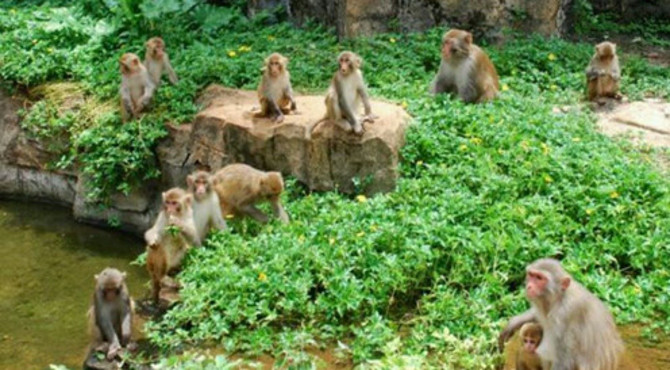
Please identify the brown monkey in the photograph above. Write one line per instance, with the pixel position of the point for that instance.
(347, 90)
(526, 358)
(157, 62)
(465, 69)
(206, 206)
(110, 315)
(240, 187)
(137, 89)
(274, 92)
(579, 331)
(603, 73)
(173, 234)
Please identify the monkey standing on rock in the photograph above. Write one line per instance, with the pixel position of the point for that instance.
(347, 90)
(465, 69)
(274, 92)
(579, 331)
(603, 73)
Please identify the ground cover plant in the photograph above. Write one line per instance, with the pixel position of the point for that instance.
(423, 276)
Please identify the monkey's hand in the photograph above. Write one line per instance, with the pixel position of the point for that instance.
(370, 117)
(132, 346)
(173, 230)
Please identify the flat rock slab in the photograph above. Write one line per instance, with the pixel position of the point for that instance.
(648, 121)
(226, 131)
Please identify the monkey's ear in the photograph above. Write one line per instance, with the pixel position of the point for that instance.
(468, 38)
(123, 275)
(95, 277)
(188, 199)
(358, 62)
(164, 196)
(565, 283)
(284, 61)
(189, 180)
(136, 62)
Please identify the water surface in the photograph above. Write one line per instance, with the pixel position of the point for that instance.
(46, 282)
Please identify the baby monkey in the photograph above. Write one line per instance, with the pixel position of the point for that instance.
(526, 358)
(603, 73)
(274, 92)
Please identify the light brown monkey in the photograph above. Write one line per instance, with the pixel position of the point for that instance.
(465, 69)
(530, 336)
(157, 62)
(171, 236)
(240, 187)
(110, 314)
(579, 331)
(347, 90)
(274, 92)
(603, 73)
(137, 89)
(206, 206)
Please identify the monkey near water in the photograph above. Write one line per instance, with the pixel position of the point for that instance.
(206, 205)
(346, 92)
(157, 62)
(110, 316)
(173, 234)
(579, 331)
(465, 69)
(274, 92)
(526, 358)
(137, 89)
(603, 73)
(240, 187)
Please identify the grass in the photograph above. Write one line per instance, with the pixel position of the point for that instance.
(424, 276)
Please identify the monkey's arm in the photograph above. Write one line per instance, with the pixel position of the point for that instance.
(289, 95)
(514, 324)
(218, 221)
(346, 111)
(616, 72)
(363, 92)
(155, 234)
(468, 91)
(591, 72)
(254, 212)
(126, 323)
(149, 89)
(437, 86)
(278, 209)
(172, 76)
(126, 102)
(189, 232)
(103, 319)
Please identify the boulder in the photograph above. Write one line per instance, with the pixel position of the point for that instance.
(647, 122)
(226, 132)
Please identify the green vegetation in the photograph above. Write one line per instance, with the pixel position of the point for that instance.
(425, 275)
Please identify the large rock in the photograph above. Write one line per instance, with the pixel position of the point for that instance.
(646, 122)
(227, 132)
(484, 17)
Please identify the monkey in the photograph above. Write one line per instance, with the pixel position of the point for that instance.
(137, 89)
(156, 61)
(206, 205)
(240, 187)
(110, 314)
(347, 90)
(465, 69)
(274, 91)
(171, 236)
(579, 331)
(603, 73)
(526, 358)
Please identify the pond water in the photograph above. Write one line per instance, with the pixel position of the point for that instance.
(46, 282)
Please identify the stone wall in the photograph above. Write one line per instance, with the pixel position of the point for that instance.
(483, 17)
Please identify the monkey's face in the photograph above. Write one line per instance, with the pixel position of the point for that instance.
(536, 284)
(156, 48)
(110, 283)
(130, 63)
(172, 207)
(605, 51)
(276, 67)
(348, 62)
(201, 187)
(456, 43)
(530, 343)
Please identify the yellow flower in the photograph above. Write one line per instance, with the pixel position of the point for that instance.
(301, 238)
(614, 194)
(589, 211)
(373, 228)
(419, 163)
(576, 139)
(524, 145)
(360, 234)
(463, 147)
(232, 53)
(392, 40)
(230, 216)
(551, 56)
(545, 149)
(34, 41)
(12, 11)
(271, 38)
(244, 49)
(50, 50)
(476, 140)
(500, 151)
(262, 277)
(331, 241)
(548, 179)
(403, 104)
(361, 198)
(553, 87)
(505, 87)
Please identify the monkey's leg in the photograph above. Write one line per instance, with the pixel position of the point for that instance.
(254, 212)
(278, 210)
(277, 114)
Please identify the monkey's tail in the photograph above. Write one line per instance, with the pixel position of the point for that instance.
(313, 126)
